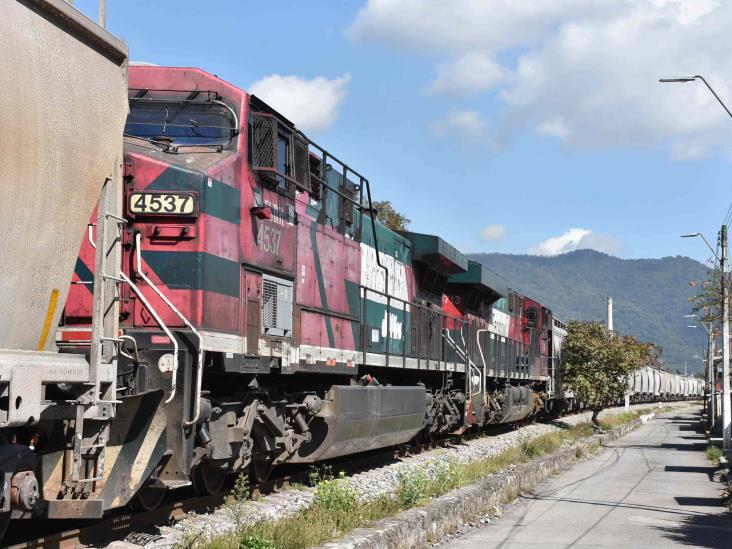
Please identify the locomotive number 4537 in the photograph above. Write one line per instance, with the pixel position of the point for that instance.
(153, 203)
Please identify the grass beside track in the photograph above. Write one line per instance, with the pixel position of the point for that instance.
(714, 453)
(336, 508)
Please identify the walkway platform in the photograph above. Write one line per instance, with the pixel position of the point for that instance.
(652, 488)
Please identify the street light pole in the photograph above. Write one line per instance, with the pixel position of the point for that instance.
(724, 267)
(708, 369)
(726, 412)
(711, 379)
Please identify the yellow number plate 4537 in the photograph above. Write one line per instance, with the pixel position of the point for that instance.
(153, 203)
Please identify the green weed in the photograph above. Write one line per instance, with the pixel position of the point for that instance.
(714, 453)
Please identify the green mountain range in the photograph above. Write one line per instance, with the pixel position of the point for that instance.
(650, 296)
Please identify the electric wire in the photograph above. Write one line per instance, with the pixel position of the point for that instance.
(728, 217)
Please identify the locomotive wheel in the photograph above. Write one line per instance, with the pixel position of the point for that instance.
(149, 497)
(207, 480)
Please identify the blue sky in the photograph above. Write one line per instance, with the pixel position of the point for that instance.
(514, 120)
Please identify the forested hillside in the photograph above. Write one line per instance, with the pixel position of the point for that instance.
(650, 295)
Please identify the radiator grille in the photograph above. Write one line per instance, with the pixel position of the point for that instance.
(269, 305)
(276, 306)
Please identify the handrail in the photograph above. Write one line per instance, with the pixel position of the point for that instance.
(199, 366)
(480, 350)
(463, 355)
(165, 328)
(470, 362)
(378, 256)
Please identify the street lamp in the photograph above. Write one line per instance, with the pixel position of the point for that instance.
(691, 79)
(723, 263)
(694, 235)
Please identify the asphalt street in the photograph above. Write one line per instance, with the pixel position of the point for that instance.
(652, 488)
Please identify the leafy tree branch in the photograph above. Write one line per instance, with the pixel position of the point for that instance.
(597, 363)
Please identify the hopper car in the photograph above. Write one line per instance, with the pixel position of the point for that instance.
(235, 304)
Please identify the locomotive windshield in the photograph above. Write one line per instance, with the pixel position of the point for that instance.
(181, 122)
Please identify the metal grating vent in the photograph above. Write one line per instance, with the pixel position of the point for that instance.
(269, 305)
(302, 164)
(279, 153)
(276, 306)
(264, 142)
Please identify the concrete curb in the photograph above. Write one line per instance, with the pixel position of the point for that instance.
(419, 526)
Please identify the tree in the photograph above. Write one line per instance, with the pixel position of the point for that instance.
(596, 363)
(386, 213)
(707, 303)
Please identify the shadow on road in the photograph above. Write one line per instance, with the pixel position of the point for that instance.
(683, 447)
(701, 530)
(708, 471)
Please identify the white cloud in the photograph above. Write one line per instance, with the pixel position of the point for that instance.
(312, 105)
(555, 127)
(588, 72)
(473, 72)
(493, 232)
(461, 26)
(467, 125)
(577, 239)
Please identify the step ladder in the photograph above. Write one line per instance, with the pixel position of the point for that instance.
(96, 407)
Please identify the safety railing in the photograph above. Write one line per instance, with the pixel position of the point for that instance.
(426, 341)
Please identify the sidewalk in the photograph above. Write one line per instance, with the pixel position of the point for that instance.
(652, 488)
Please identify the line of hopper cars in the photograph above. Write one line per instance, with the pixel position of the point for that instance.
(233, 306)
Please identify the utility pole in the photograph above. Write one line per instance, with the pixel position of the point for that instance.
(710, 380)
(726, 412)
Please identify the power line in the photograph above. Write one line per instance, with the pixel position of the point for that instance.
(726, 219)
(728, 216)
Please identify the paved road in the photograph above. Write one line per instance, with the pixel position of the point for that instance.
(651, 488)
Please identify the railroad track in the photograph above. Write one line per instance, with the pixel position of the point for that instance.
(134, 526)
(138, 527)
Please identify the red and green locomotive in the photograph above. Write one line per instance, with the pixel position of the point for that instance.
(267, 318)
(234, 305)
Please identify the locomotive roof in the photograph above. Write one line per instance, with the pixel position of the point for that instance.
(479, 276)
(437, 253)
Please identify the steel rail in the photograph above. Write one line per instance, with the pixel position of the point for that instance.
(125, 525)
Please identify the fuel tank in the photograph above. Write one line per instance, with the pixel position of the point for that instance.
(357, 419)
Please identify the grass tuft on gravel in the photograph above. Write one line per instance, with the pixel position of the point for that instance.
(714, 453)
(336, 508)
